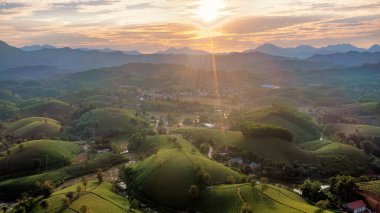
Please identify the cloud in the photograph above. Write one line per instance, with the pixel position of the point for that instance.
(254, 24)
(6, 6)
(140, 6)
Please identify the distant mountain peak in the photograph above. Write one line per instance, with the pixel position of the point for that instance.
(37, 47)
(305, 51)
(182, 51)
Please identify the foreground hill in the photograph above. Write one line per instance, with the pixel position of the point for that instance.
(35, 127)
(36, 155)
(177, 169)
(98, 198)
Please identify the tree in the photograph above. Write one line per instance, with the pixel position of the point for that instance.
(264, 183)
(84, 183)
(246, 208)
(311, 190)
(37, 165)
(65, 201)
(343, 187)
(100, 176)
(47, 188)
(323, 204)
(193, 192)
(367, 146)
(70, 196)
(79, 189)
(45, 204)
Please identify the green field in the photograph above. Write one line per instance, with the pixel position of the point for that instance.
(98, 197)
(49, 153)
(107, 120)
(372, 187)
(165, 178)
(274, 149)
(229, 198)
(34, 127)
(350, 129)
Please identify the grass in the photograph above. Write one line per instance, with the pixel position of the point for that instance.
(98, 197)
(34, 127)
(165, 178)
(274, 149)
(112, 119)
(229, 198)
(349, 129)
(13, 188)
(23, 160)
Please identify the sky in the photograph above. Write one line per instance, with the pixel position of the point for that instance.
(212, 25)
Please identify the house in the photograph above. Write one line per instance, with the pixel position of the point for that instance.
(208, 125)
(356, 206)
(237, 160)
(253, 165)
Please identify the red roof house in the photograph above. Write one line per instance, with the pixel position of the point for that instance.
(356, 206)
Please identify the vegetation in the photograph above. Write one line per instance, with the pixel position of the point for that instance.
(37, 156)
(34, 128)
(97, 198)
(253, 130)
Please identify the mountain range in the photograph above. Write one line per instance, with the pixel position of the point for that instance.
(42, 59)
(306, 51)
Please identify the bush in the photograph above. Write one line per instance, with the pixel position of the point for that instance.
(253, 130)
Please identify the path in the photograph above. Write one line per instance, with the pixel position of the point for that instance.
(210, 150)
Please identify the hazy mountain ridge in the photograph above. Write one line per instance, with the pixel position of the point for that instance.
(349, 59)
(306, 51)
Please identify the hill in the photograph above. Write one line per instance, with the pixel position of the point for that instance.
(109, 122)
(51, 108)
(271, 148)
(35, 127)
(98, 198)
(37, 155)
(268, 199)
(299, 124)
(176, 169)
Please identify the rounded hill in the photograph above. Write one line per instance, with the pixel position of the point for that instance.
(110, 121)
(35, 127)
(37, 155)
(158, 175)
(51, 108)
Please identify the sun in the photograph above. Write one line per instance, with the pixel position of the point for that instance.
(209, 10)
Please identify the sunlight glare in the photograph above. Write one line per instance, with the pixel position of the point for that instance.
(209, 10)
